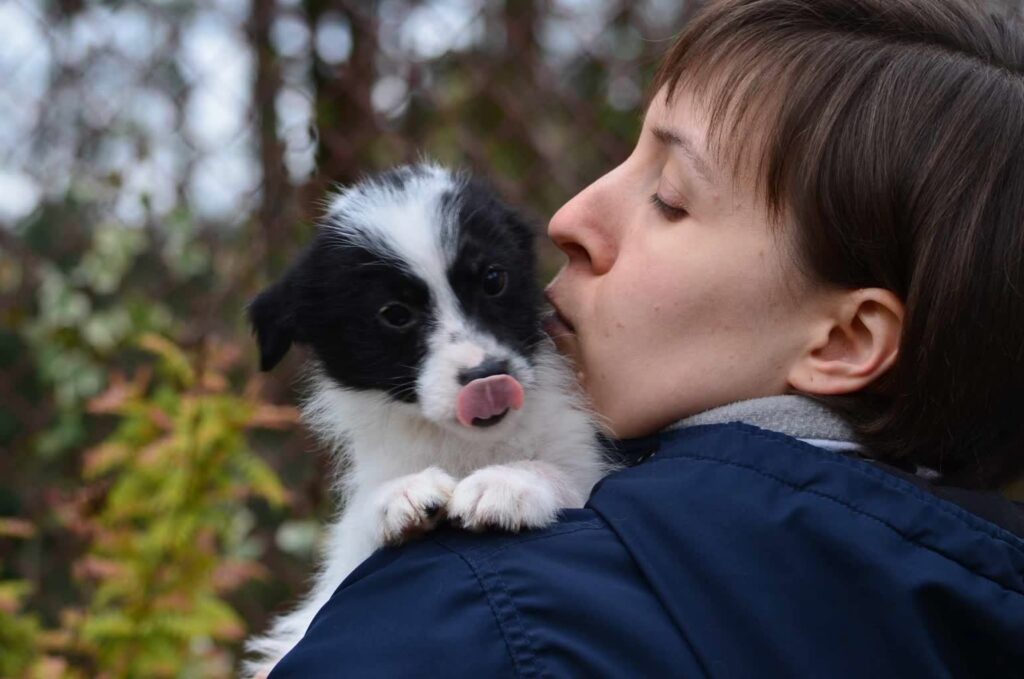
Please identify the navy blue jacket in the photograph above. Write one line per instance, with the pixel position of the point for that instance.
(731, 552)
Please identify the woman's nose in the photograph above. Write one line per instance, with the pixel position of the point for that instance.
(583, 230)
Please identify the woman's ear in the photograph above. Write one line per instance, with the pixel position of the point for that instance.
(272, 315)
(856, 343)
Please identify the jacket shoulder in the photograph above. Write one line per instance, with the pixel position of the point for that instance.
(571, 601)
(412, 611)
(776, 557)
(858, 490)
(564, 601)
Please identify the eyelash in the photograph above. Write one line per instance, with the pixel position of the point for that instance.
(670, 212)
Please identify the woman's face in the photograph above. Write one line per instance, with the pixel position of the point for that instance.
(677, 307)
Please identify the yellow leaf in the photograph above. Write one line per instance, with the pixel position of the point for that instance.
(102, 458)
(174, 358)
(262, 480)
(12, 592)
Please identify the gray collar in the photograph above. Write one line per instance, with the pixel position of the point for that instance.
(794, 415)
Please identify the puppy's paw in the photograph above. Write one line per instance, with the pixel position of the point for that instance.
(413, 504)
(504, 497)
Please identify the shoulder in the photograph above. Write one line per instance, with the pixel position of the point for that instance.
(572, 601)
(796, 555)
(567, 600)
(746, 478)
(733, 550)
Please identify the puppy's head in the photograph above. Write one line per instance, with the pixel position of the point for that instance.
(419, 285)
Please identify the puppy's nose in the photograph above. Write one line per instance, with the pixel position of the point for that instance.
(489, 367)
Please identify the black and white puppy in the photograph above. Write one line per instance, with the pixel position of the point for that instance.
(430, 372)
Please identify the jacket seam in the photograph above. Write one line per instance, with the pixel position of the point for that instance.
(965, 518)
(506, 617)
(593, 524)
(851, 507)
(513, 611)
(657, 597)
(555, 530)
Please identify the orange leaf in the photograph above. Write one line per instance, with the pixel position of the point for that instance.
(96, 568)
(16, 528)
(229, 575)
(214, 382)
(102, 457)
(160, 419)
(111, 401)
(274, 417)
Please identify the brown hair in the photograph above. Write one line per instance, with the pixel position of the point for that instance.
(895, 144)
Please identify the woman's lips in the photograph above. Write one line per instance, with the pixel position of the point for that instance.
(562, 332)
(555, 323)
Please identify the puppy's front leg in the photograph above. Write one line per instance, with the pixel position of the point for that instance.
(411, 505)
(514, 496)
(376, 515)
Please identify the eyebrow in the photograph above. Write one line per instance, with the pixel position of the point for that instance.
(683, 143)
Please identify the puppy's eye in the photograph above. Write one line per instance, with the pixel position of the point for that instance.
(396, 315)
(494, 281)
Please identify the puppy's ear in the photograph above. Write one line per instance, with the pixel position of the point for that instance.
(272, 315)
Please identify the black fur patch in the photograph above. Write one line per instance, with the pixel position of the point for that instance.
(330, 300)
(492, 234)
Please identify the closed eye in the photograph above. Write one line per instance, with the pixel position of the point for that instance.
(669, 212)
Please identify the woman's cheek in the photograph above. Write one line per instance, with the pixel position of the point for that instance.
(614, 365)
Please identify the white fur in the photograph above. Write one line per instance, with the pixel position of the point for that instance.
(397, 460)
(408, 223)
(540, 459)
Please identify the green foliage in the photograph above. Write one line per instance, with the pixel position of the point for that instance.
(168, 524)
(129, 456)
(19, 631)
(171, 535)
(81, 321)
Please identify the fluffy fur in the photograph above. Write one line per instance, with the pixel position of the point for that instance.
(419, 282)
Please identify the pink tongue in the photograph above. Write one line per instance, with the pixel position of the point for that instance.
(487, 397)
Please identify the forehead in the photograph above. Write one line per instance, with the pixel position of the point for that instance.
(406, 215)
(683, 118)
(719, 146)
(735, 201)
(424, 220)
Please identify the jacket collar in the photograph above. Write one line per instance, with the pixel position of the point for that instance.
(791, 414)
(794, 415)
(805, 419)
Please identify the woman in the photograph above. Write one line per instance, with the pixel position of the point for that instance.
(800, 303)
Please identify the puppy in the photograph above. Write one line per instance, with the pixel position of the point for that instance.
(429, 372)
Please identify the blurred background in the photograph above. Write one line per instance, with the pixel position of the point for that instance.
(160, 161)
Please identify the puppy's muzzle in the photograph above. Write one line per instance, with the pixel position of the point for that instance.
(487, 395)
